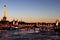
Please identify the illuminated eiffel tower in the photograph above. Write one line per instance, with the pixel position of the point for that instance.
(4, 17)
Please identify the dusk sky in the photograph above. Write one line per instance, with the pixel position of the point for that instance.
(31, 10)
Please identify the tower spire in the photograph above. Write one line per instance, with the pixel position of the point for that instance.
(4, 17)
(4, 10)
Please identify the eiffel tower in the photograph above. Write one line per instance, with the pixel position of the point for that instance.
(4, 17)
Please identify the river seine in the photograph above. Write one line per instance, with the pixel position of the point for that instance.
(25, 35)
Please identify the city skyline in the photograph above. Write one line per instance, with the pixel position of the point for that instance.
(31, 10)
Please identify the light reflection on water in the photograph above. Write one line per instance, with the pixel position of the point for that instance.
(17, 35)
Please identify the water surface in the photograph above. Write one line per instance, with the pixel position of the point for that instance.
(25, 35)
